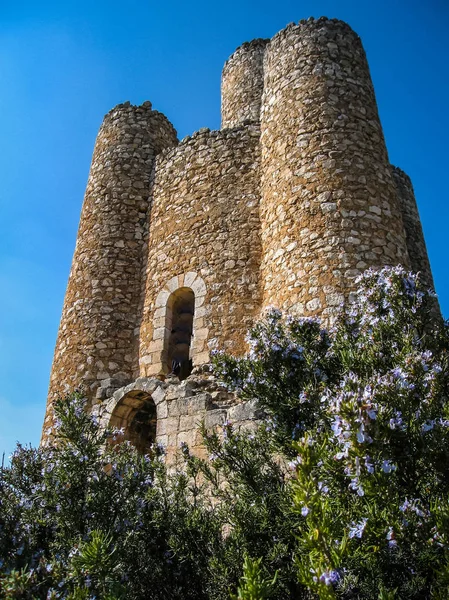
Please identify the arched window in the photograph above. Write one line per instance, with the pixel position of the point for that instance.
(180, 313)
(180, 330)
(136, 414)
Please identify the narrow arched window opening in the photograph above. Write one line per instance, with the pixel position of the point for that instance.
(181, 308)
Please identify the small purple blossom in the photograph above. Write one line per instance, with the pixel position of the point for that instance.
(392, 543)
(388, 467)
(329, 577)
(357, 529)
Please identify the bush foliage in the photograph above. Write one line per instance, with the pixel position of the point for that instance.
(342, 491)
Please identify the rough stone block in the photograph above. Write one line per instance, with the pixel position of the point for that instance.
(162, 440)
(189, 278)
(246, 411)
(170, 425)
(158, 395)
(214, 418)
(162, 410)
(198, 402)
(178, 407)
(202, 358)
(186, 437)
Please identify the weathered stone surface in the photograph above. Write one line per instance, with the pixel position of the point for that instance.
(215, 418)
(205, 213)
(242, 84)
(176, 416)
(284, 206)
(323, 158)
(246, 411)
(101, 307)
(419, 260)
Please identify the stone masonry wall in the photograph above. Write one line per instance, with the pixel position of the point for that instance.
(204, 227)
(180, 409)
(419, 260)
(95, 340)
(242, 84)
(329, 206)
(284, 206)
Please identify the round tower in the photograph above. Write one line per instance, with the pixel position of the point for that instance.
(242, 84)
(416, 245)
(97, 335)
(329, 205)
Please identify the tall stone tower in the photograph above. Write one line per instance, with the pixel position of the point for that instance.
(182, 245)
(97, 336)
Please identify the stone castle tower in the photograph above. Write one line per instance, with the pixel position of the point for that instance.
(181, 245)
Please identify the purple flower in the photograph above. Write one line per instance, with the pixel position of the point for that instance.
(390, 537)
(428, 425)
(323, 487)
(357, 529)
(329, 577)
(369, 465)
(293, 464)
(388, 467)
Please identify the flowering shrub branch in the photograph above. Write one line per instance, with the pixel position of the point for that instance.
(362, 410)
(341, 492)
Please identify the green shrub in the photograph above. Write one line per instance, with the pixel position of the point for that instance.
(341, 492)
(362, 411)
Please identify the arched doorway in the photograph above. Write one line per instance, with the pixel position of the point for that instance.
(180, 313)
(136, 415)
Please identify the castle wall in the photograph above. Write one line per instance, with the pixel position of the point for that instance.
(95, 340)
(242, 84)
(204, 236)
(180, 409)
(416, 245)
(284, 206)
(329, 206)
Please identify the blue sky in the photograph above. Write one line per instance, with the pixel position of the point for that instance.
(63, 65)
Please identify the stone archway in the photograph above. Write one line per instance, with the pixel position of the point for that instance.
(136, 413)
(158, 360)
(140, 408)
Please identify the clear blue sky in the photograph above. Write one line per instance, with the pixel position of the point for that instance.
(63, 65)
